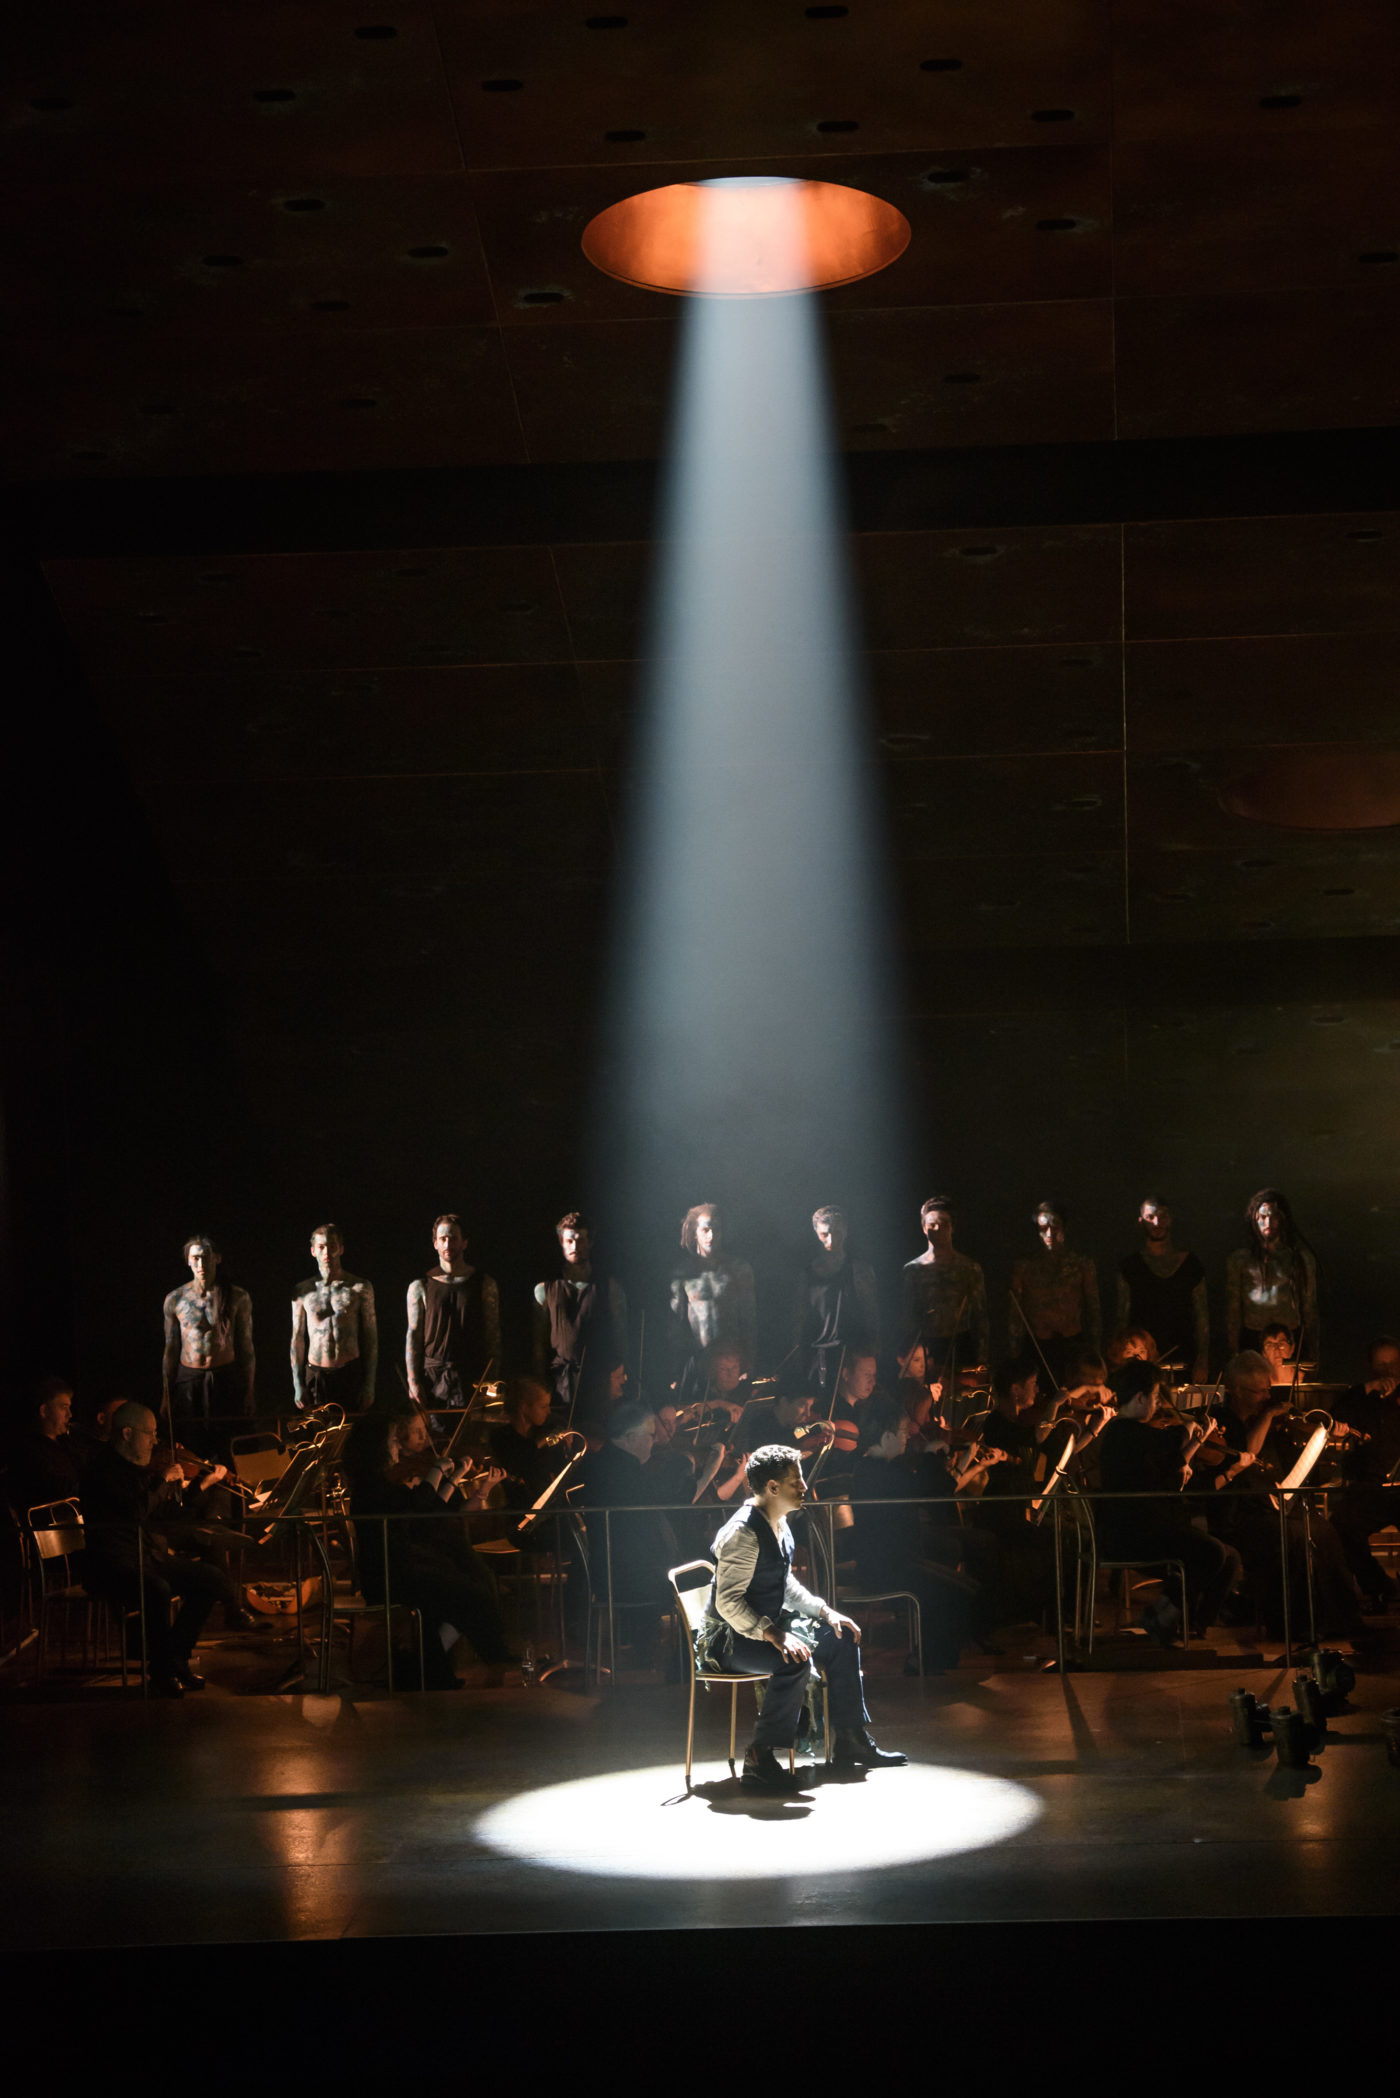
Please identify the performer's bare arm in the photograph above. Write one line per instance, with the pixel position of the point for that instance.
(417, 1311)
(298, 1350)
(369, 1338)
(491, 1321)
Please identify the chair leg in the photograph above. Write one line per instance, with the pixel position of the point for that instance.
(690, 1732)
(916, 1627)
(733, 1722)
(826, 1720)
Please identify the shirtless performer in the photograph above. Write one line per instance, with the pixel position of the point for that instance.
(454, 1323)
(945, 1296)
(335, 1340)
(209, 1363)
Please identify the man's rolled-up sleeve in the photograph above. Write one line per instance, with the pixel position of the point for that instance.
(738, 1557)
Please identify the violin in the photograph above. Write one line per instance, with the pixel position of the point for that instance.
(194, 1468)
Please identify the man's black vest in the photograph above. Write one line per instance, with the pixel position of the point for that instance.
(768, 1587)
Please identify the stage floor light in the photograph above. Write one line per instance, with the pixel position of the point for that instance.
(746, 236)
(640, 1824)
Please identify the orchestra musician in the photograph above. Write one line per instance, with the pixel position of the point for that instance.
(1257, 1456)
(1137, 1455)
(1370, 1414)
(126, 1503)
(393, 1471)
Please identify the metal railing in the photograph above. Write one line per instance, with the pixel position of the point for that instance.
(1294, 1520)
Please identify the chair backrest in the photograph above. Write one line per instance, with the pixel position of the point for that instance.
(61, 1539)
(257, 1467)
(691, 1586)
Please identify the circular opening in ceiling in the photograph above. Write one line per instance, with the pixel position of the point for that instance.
(746, 237)
(1319, 790)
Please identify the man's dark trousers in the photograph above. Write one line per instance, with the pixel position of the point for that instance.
(838, 1658)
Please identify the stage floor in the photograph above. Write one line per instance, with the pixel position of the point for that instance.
(1028, 1798)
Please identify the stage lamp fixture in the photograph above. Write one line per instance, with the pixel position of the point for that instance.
(746, 237)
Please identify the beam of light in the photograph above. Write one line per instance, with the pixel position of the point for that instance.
(630, 1824)
(750, 1057)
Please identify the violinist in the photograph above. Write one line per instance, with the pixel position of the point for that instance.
(1258, 1458)
(518, 1445)
(1138, 1456)
(393, 1472)
(44, 1466)
(1370, 1412)
(124, 1498)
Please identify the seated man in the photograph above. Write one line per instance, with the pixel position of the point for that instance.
(1136, 1457)
(1256, 1456)
(638, 1546)
(122, 1496)
(761, 1621)
(431, 1565)
(44, 1466)
(1370, 1415)
(891, 1546)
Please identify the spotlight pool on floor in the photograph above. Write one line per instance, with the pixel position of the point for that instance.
(639, 1824)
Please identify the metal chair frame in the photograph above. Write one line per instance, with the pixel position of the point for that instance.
(1085, 1592)
(64, 1540)
(690, 1614)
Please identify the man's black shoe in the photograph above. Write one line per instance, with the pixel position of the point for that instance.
(188, 1676)
(763, 1772)
(166, 1686)
(854, 1746)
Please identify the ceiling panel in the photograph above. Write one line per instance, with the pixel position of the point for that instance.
(442, 936)
(231, 87)
(306, 401)
(314, 611)
(969, 702)
(1302, 688)
(1262, 575)
(332, 253)
(1253, 213)
(945, 589)
(1174, 806)
(984, 807)
(1288, 360)
(999, 899)
(970, 375)
(386, 829)
(1195, 67)
(272, 723)
(1333, 889)
(678, 82)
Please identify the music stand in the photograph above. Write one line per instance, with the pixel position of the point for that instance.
(545, 1507)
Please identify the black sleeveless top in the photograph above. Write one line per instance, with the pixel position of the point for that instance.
(1161, 1304)
(454, 1323)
